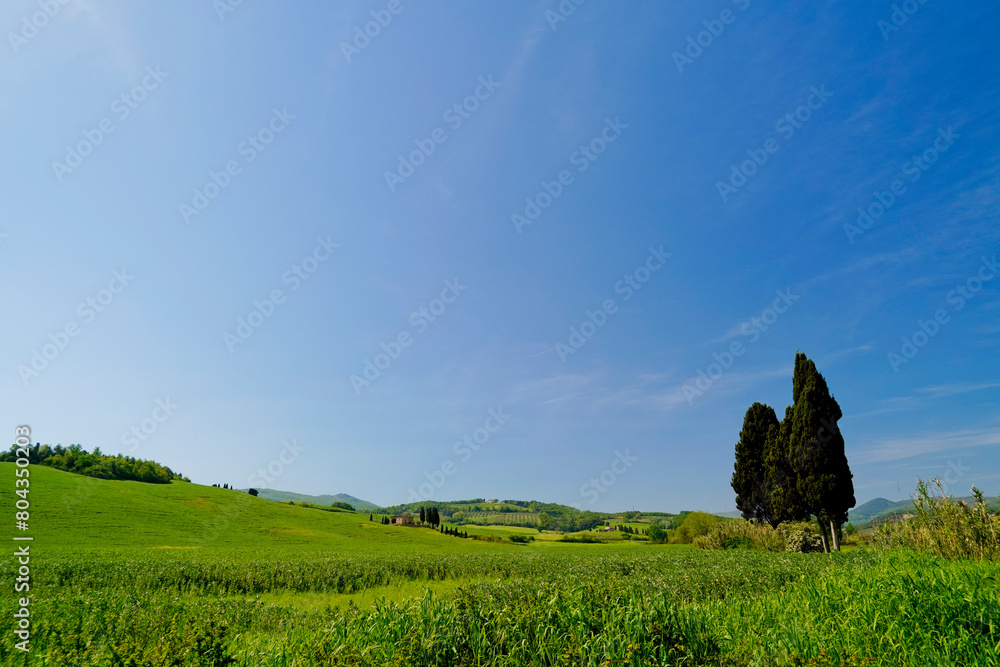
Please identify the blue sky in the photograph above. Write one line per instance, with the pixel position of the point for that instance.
(248, 159)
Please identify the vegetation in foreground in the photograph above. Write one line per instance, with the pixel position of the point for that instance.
(945, 526)
(611, 605)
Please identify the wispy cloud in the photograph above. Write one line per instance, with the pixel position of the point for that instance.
(938, 391)
(904, 403)
(895, 449)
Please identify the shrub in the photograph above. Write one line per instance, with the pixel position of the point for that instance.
(340, 504)
(581, 539)
(740, 534)
(658, 535)
(801, 537)
(944, 526)
(695, 524)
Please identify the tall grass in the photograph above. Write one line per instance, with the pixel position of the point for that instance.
(740, 534)
(944, 526)
(638, 608)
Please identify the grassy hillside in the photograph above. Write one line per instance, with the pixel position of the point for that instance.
(73, 510)
(325, 499)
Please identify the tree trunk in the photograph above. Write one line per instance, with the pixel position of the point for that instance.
(822, 535)
(833, 533)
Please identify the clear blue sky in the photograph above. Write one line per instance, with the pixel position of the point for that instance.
(621, 131)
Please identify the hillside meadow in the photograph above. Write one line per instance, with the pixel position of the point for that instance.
(125, 573)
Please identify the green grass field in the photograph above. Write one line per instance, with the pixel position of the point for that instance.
(142, 575)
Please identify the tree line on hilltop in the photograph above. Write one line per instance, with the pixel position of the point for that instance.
(795, 469)
(77, 460)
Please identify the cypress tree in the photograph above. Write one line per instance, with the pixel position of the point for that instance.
(423, 516)
(748, 476)
(780, 478)
(824, 480)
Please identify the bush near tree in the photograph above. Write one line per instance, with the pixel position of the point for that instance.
(695, 524)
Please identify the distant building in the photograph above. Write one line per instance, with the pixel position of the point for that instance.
(402, 520)
(493, 501)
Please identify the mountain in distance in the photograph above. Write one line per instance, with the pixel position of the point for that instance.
(285, 496)
(881, 508)
(876, 507)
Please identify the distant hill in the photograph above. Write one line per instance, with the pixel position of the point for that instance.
(880, 508)
(877, 507)
(285, 496)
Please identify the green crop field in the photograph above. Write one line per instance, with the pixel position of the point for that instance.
(135, 574)
(502, 518)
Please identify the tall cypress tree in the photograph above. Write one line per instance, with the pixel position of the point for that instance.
(423, 516)
(816, 447)
(780, 479)
(748, 476)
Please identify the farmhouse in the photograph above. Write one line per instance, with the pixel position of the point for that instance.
(402, 520)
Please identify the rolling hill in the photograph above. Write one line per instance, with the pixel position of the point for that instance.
(326, 499)
(73, 511)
